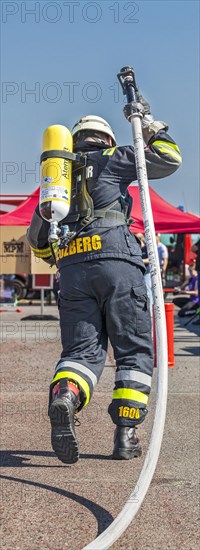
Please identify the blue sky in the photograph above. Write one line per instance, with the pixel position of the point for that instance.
(69, 53)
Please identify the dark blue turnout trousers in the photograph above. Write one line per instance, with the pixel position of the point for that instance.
(101, 299)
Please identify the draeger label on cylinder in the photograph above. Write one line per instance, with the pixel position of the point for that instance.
(54, 192)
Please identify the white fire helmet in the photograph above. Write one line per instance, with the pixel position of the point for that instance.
(94, 123)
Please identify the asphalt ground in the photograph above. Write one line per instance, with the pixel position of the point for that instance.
(49, 505)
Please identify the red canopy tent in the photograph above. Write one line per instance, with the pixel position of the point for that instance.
(167, 218)
(22, 214)
(8, 201)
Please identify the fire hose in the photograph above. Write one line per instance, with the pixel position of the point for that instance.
(128, 512)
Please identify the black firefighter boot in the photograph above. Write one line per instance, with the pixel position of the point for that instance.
(65, 398)
(126, 443)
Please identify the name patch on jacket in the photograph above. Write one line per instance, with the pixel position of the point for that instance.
(80, 245)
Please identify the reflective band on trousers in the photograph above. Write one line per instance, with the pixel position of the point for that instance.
(131, 395)
(80, 368)
(73, 376)
(134, 376)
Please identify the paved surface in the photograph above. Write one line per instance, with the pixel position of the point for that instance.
(48, 505)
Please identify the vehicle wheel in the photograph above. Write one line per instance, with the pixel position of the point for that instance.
(20, 289)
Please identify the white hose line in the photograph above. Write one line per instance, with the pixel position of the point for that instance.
(124, 518)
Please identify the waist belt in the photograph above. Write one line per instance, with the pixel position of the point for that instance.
(111, 215)
(112, 218)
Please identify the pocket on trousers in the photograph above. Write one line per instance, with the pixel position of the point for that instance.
(143, 318)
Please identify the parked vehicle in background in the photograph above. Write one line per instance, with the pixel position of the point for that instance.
(180, 257)
(24, 288)
(21, 284)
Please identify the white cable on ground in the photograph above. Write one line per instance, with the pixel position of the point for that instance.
(124, 518)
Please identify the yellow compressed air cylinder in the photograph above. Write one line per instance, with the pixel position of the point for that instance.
(56, 173)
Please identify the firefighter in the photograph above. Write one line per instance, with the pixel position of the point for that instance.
(102, 289)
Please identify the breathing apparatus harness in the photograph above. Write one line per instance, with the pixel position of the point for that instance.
(82, 212)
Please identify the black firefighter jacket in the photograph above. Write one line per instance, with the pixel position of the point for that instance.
(108, 174)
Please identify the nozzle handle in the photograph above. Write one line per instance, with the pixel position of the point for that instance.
(127, 80)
